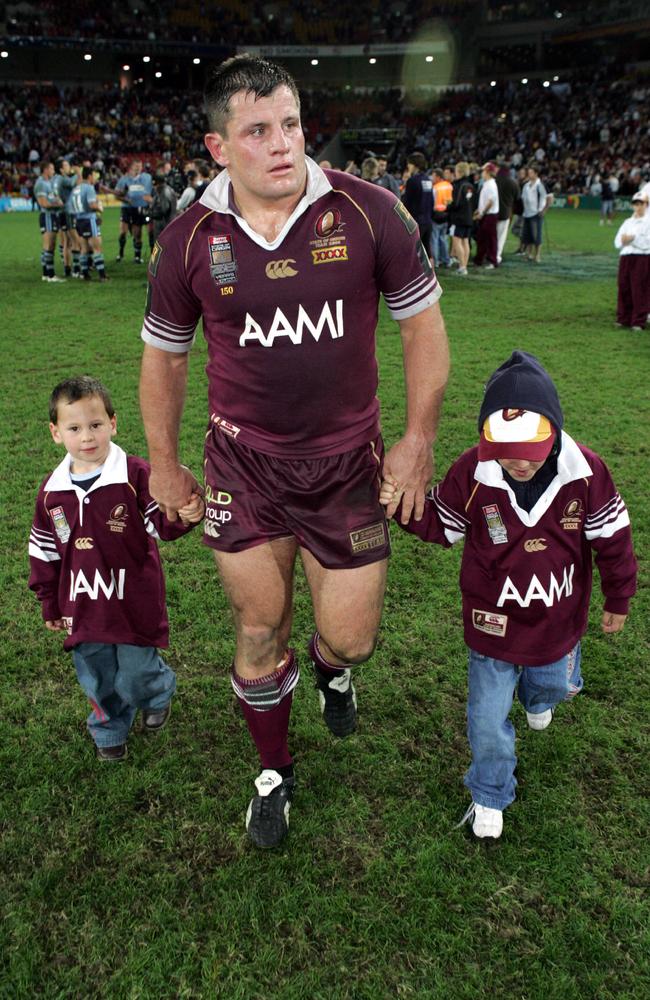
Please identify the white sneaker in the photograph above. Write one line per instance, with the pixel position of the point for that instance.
(486, 823)
(539, 720)
(489, 267)
(54, 280)
(462, 271)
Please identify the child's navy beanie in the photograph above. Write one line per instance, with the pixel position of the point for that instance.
(522, 382)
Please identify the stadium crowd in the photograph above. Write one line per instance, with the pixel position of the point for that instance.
(572, 138)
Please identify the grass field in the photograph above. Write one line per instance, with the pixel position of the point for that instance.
(137, 881)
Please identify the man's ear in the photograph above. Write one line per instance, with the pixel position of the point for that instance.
(214, 142)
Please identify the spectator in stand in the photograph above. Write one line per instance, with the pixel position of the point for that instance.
(203, 170)
(369, 171)
(385, 179)
(486, 215)
(536, 202)
(461, 210)
(442, 196)
(163, 206)
(189, 194)
(633, 241)
(418, 196)
(508, 193)
(606, 202)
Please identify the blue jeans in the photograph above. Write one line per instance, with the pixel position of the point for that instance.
(439, 250)
(119, 680)
(491, 775)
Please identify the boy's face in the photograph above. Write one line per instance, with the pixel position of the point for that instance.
(85, 429)
(520, 468)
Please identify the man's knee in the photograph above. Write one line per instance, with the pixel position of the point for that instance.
(352, 649)
(258, 642)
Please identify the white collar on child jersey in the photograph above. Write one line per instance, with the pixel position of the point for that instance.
(114, 470)
(217, 197)
(571, 465)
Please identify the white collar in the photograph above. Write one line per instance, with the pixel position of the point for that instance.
(114, 471)
(216, 197)
(571, 465)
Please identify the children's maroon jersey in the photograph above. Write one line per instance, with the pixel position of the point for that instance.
(290, 325)
(94, 558)
(526, 575)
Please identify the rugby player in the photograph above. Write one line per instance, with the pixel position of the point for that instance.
(285, 263)
(135, 189)
(63, 182)
(48, 219)
(87, 209)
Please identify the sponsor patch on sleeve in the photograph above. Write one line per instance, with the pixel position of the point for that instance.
(488, 621)
(154, 259)
(406, 217)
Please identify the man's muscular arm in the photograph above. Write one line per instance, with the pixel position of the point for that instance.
(163, 380)
(426, 368)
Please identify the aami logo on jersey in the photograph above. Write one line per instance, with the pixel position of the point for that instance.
(572, 516)
(330, 320)
(536, 591)
(114, 586)
(223, 266)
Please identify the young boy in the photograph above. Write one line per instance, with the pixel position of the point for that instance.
(96, 569)
(531, 505)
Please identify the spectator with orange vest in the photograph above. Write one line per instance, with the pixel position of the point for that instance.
(442, 196)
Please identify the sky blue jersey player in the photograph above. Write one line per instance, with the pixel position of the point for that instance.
(87, 208)
(49, 206)
(135, 190)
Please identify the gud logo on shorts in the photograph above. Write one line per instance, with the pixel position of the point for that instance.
(217, 516)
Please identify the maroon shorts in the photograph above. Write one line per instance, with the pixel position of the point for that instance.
(330, 505)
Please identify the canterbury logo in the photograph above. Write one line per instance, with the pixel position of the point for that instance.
(83, 543)
(281, 269)
(535, 545)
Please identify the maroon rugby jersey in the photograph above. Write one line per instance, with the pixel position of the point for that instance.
(525, 576)
(93, 555)
(290, 326)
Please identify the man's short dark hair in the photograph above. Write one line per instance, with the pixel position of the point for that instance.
(71, 390)
(418, 160)
(243, 72)
(437, 170)
(86, 172)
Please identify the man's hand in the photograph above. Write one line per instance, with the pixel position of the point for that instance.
(612, 622)
(57, 625)
(172, 489)
(409, 466)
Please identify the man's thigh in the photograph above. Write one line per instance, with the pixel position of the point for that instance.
(258, 583)
(347, 605)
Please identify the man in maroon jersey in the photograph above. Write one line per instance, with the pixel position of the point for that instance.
(532, 506)
(285, 263)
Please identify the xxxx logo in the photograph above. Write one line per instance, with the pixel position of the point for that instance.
(281, 269)
(83, 543)
(535, 545)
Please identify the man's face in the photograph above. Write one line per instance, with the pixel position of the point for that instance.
(381, 167)
(262, 146)
(532, 175)
(48, 171)
(136, 167)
